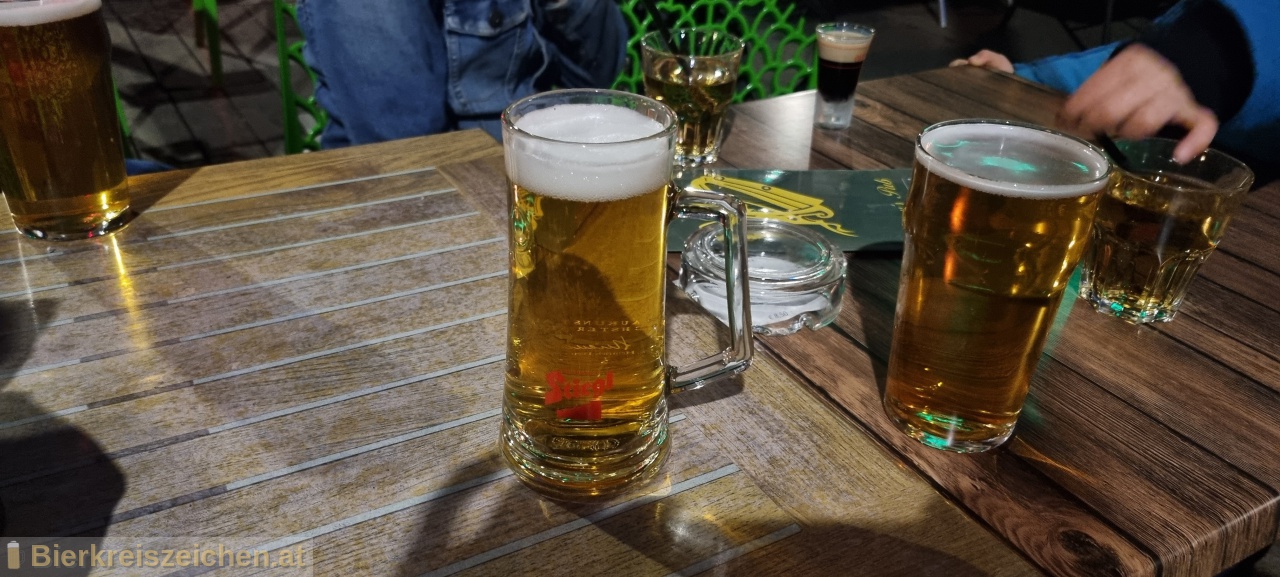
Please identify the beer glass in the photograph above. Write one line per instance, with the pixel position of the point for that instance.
(696, 76)
(584, 409)
(1157, 223)
(61, 161)
(995, 220)
(842, 48)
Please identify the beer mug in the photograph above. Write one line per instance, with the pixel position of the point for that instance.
(61, 161)
(996, 219)
(584, 409)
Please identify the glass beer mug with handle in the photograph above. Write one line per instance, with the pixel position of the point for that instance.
(584, 408)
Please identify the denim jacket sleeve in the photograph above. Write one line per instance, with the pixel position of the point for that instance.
(502, 50)
(396, 68)
(586, 38)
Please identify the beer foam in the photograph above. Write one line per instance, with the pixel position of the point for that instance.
(589, 152)
(34, 12)
(1012, 160)
(843, 46)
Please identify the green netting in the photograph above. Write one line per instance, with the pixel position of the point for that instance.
(297, 138)
(779, 56)
(207, 30)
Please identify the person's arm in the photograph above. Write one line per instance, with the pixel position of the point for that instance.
(1068, 71)
(1134, 95)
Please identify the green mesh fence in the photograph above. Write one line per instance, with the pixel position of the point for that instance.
(779, 57)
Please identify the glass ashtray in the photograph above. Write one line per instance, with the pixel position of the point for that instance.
(796, 276)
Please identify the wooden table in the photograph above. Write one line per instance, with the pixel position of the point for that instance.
(307, 352)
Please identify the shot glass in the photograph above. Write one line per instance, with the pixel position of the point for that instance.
(696, 75)
(1157, 223)
(842, 48)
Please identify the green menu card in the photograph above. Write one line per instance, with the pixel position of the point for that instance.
(858, 210)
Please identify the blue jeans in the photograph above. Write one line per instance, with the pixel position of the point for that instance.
(393, 69)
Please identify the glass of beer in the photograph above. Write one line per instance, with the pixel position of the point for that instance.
(696, 75)
(584, 409)
(61, 160)
(995, 221)
(842, 48)
(1157, 223)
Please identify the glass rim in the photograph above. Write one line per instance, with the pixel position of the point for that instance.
(1097, 151)
(669, 124)
(1208, 155)
(648, 42)
(844, 25)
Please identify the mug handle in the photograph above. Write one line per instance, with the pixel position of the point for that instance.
(731, 215)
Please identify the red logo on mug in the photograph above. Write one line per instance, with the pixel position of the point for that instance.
(560, 388)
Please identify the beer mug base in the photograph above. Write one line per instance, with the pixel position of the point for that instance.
(592, 475)
(67, 229)
(948, 432)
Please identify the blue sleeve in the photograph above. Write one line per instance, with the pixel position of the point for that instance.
(1068, 71)
(1251, 133)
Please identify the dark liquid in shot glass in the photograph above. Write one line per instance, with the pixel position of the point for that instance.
(838, 80)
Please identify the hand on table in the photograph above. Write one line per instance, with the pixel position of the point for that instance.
(986, 59)
(1134, 95)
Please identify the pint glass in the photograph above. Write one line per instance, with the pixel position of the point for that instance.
(61, 162)
(997, 216)
(584, 409)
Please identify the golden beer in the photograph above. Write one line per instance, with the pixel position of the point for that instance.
(698, 82)
(584, 411)
(61, 162)
(995, 221)
(1156, 226)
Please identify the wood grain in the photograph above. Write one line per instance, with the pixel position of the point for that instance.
(1140, 443)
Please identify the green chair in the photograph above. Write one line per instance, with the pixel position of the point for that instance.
(207, 31)
(297, 138)
(779, 58)
(126, 133)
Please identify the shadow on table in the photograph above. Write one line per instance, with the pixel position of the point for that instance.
(670, 538)
(689, 541)
(872, 287)
(38, 506)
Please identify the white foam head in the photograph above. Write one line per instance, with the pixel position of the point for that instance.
(1012, 160)
(843, 45)
(34, 12)
(588, 152)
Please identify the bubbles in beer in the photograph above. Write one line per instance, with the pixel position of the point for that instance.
(594, 152)
(1012, 160)
(44, 11)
